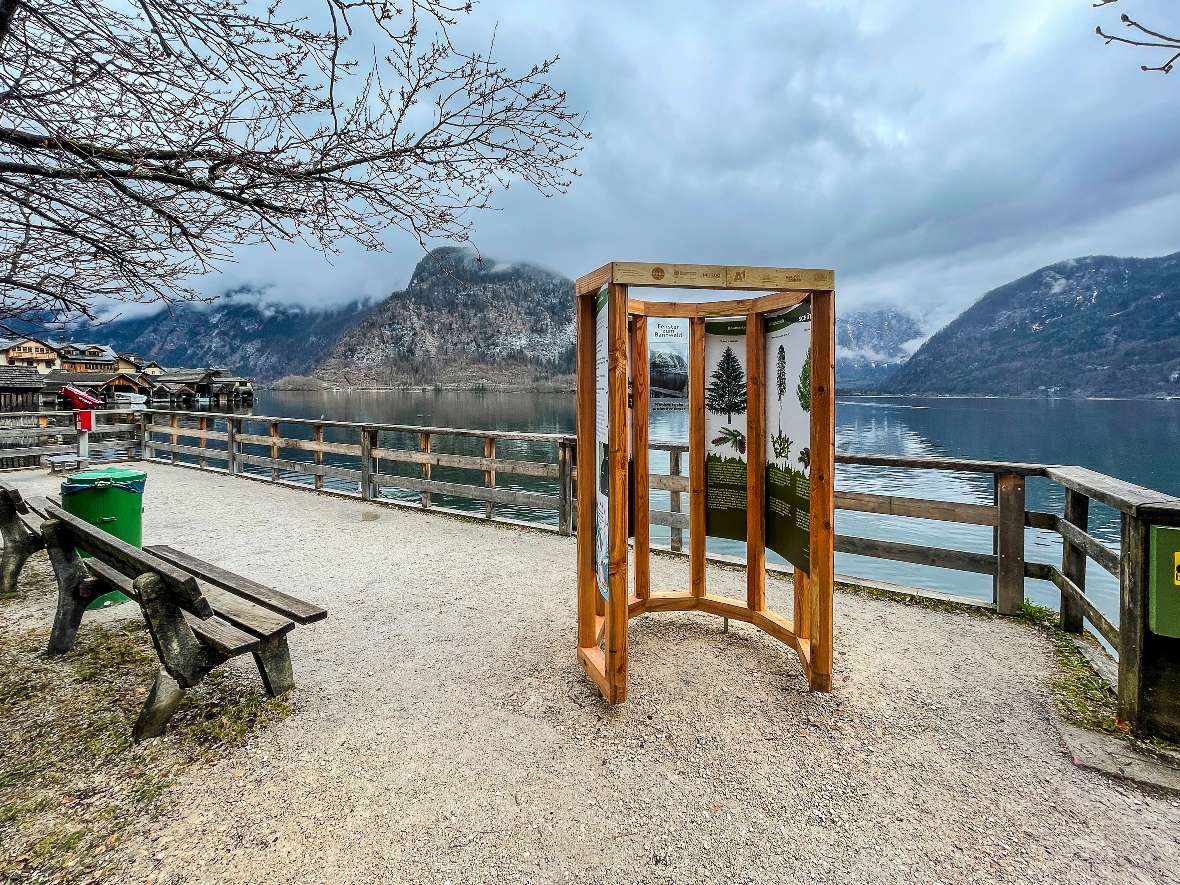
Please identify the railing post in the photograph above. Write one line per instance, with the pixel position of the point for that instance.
(564, 522)
(1073, 559)
(489, 476)
(1133, 578)
(317, 434)
(274, 451)
(231, 446)
(366, 464)
(141, 423)
(202, 426)
(1009, 587)
(172, 422)
(424, 446)
(674, 470)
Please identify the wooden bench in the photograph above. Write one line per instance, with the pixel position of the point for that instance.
(56, 463)
(198, 615)
(21, 530)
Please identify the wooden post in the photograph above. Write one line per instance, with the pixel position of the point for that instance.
(1073, 560)
(822, 558)
(755, 463)
(141, 434)
(424, 446)
(489, 476)
(202, 441)
(677, 533)
(231, 445)
(616, 608)
(584, 398)
(172, 422)
(1010, 545)
(274, 451)
(1134, 563)
(640, 465)
(317, 434)
(564, 513)
(696, 456)
(366, 464)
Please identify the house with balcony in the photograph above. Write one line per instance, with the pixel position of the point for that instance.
(40, 354)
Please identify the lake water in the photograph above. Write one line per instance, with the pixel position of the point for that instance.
(1133, 440)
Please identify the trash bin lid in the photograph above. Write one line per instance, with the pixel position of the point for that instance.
(109, 474)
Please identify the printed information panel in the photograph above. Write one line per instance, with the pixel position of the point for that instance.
(725, 429)
(788, 435)
(601, 436)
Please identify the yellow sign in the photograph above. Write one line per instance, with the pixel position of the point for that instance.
(1176, 570)
(719, 276)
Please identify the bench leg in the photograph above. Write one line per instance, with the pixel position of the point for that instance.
(159, 707)
(17, 550)
(274, 663)
(75, 588)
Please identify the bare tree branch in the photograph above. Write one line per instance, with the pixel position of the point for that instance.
(142, 143)
(1158, 40)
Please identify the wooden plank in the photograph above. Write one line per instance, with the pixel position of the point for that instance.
(544, 469)
(1077, 599)
(128, 559)
(424, 469)
(801, 603)
(696, 456)
(756, 462)
(1073, 559)
(232, 426)
(296, 609)
(565, 514)
(303, 445)
(589, 284)
(366, 464)
(245, 615)
(196, 432)
(1009, 583)
(615, 638)
(1091, 546)
(920, 554)
(720, 276)
(664, 483)
(965, 465)
(822, 561)
(1126, 497)
(219, 635)
(317, 436)
(274, 448)
(892, 505)
(308, 467)
(498, 495)
(584, 399)
(639, 455)
(678, 521)
(706, 309)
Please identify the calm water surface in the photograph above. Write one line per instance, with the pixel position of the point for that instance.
(1134, 440)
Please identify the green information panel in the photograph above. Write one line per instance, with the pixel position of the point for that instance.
(1163, 605)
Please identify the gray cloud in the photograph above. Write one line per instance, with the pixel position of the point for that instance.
(926, 150)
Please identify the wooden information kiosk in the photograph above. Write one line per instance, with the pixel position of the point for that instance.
(767, 482)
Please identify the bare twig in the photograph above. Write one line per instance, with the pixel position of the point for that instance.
(1157, 40)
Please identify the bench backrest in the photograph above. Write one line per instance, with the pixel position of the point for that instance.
(180, 588)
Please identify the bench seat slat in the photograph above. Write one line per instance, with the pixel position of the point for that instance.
(217, 633)
(254, 619)
(298, 610)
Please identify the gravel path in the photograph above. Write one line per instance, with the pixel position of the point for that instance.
(445, 732)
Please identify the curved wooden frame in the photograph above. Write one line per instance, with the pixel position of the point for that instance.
(602, 623)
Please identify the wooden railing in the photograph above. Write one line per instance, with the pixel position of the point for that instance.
(27, 437)
(516, 475)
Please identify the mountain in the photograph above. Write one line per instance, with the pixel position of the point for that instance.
(462, 320)
(1097, 326)
(871, 344)
(239, 331)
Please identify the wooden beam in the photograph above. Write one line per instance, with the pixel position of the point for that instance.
(1010, 545)
(640, 469)
(616, 608)
(590, 283)
(584, 399)
(1073, 560)
(755, 462)
(822, 561)
(728, 308)
(892, 505)
(721, 276)
(696, 456)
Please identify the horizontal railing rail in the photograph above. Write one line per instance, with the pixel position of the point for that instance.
(28, 437)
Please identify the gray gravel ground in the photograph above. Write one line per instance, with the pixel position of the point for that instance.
(445, 733)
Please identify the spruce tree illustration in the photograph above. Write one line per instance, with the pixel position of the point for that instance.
(780, 379)
(726, 393)
(803, 391)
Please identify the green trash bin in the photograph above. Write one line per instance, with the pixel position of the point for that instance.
(112, 499)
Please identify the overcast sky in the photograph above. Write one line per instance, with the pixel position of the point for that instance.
(927, 150)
